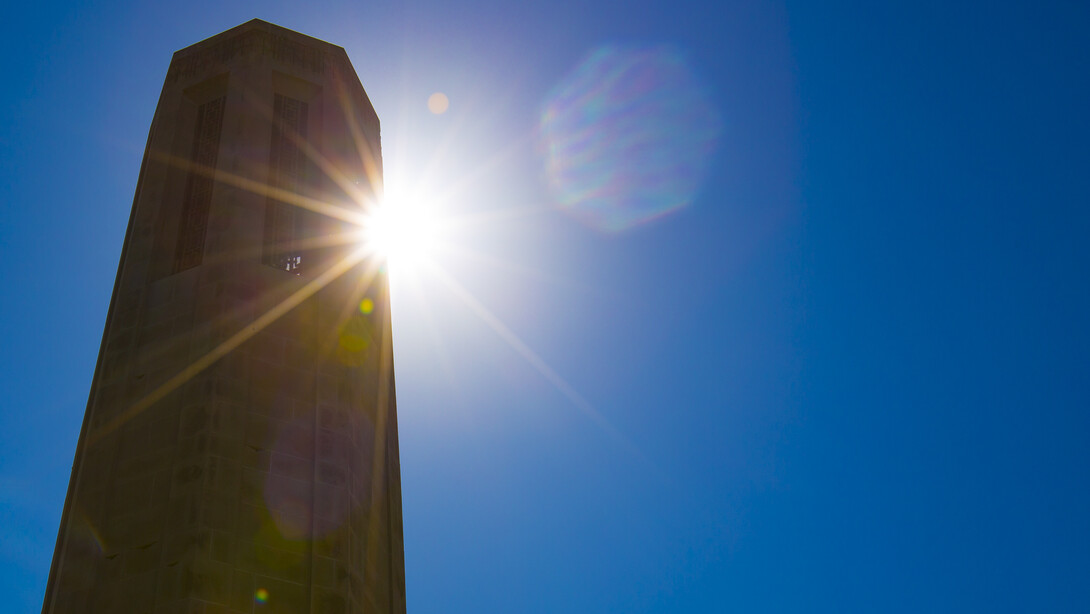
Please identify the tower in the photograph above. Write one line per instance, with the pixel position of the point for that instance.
(239, 450)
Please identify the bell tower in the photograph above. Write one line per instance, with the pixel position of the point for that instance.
(239, 450)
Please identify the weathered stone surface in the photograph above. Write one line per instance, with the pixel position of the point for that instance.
(225, 458)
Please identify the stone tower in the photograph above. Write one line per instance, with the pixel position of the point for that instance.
(239, 451)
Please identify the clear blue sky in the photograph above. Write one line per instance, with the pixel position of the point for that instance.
(819, 344)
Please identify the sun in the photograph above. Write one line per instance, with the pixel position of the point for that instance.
(404, 230)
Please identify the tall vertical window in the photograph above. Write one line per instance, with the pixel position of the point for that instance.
(284, 222)
(198, 185)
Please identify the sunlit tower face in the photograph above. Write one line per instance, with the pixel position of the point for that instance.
(239, 449)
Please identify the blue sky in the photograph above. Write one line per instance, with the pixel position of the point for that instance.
(828, 355)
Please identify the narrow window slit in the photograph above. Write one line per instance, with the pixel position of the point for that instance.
(284, 222)
(198, 185)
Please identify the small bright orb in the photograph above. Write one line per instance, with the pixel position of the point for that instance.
(438, 103)
(367, 306)
(261, 595)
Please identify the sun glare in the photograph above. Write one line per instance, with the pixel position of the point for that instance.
(404, 231)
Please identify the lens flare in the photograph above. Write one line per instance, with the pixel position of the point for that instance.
(438, 103)
(261, 595)
(627, 136)
(356, 337)
(299, 510)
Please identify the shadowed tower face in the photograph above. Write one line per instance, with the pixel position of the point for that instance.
(239, 450)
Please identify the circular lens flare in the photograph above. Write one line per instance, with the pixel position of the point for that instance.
(438, 103)
(628, 136)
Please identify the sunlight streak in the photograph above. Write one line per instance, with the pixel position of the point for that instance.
(535, 361)
(370, 159)
(202, 363)
(358, 219)
(263, 189)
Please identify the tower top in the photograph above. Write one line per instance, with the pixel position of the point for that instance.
(261, 40)
(259, 25)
